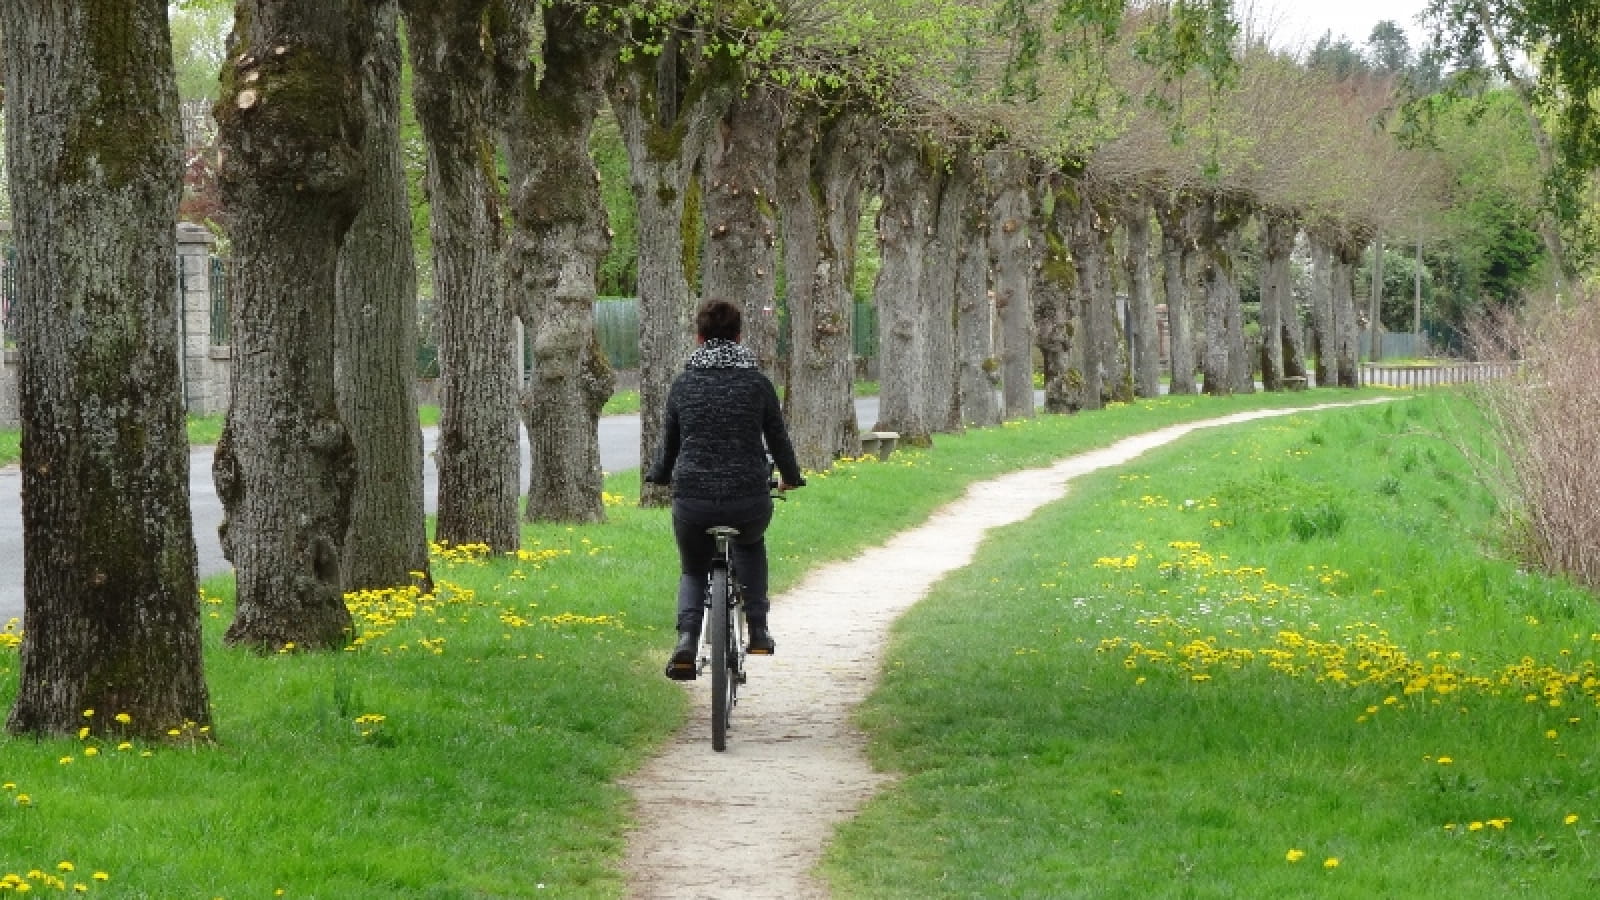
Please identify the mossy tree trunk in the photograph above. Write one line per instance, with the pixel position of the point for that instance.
(1225, 366)
(940, 274)
(478, 455)
(666, 108)
(1280, 323)
(976, 365)
(290, 119)
(1054, 292)
(911, 180)
(112, 620)
(1176, 215)
(1013, 279)
(376, 340)
(741, 250)
(558, 239)
(1346, 328)
(822, 162)
(1322, 323)
(1146, 337)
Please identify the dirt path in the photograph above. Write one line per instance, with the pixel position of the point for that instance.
(751, 822)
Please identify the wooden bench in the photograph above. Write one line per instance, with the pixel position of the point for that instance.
(1294, 383)
(879, 443)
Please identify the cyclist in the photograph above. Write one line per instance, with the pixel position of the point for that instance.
(722, 434)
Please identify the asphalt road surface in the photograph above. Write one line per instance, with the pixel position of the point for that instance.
(619, 450)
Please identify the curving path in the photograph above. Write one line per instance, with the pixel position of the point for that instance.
(752, 822)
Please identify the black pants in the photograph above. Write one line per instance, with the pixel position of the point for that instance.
(690, 519)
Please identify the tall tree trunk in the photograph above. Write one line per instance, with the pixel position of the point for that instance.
(1176, 215)
(976, 365)
(1054, 287)
(940, 271)
(665, 139)
(375, 344)
(1104, 374)
(291, 123)
(1347, 337)
(558, 239)
(112, 619)
(1278, 319)
(821, 166)
(912, 181)
(1375, 304)
(478, 454)
(1322, 324)
(1008, 249)
(1146, 337)
(741, 260)
(1226, 366)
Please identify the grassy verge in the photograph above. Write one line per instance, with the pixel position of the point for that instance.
(509, 703)
(1271, 661)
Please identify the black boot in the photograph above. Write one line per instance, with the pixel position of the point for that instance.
(681, 667)
(761, 642)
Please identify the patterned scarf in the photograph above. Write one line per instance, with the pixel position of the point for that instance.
(718, 353)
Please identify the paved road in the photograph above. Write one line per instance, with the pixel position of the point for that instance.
(619, 450)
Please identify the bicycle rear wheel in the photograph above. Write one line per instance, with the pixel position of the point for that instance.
(722, 681)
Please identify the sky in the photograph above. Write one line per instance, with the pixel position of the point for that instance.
(1295, 22)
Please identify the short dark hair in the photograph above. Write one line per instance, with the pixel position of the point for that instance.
(718, 319)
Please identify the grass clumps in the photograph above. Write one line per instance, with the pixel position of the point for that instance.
(1240, 668)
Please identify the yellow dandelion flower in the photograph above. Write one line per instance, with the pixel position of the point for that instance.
(1295, 856)
(101, 876)
(1331, 862)
(1475, 826)
(66, 760)
(1551, 734)
(91, 751)
(124, 718)
(88, 714)
(1445, 760)
(1571, 819)
(65, 866)
(23, 800)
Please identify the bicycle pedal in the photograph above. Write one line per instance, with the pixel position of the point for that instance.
(755, 652)
(682, 671)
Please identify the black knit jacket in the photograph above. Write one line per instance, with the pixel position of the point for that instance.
(719, 412)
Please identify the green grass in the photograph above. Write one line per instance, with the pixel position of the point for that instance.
(512, 701)
(1274, 660)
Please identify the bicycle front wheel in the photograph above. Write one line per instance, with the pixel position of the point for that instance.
(721, 634)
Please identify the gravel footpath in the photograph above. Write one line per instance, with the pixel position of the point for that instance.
(751, 822)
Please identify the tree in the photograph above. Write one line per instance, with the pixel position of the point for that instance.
(1011, 227)
(1388, 49)
(376, 339)
(912, 178)
(112, 620)
(557, 242)
(291, 122)
(741, 252)
(478, 454)
(822, 161)
(667, 106)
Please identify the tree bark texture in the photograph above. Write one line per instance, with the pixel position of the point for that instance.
(940, 273)
(1146, 337)
(1177, 217)
(558, 239)
(1055, 289)
(976, 368)
(290, 120)
(741, 258)
(1375, 304)
(1219, 238)
(666, 112)
(1013, 278)
(1322, 330)
(477, 454)
(911, 182)
(1104, 373)
(112, 619)
(821, 166)
(375, 345)
(1346, 328)
(1277, 240)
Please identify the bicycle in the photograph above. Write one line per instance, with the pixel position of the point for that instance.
(723, 634)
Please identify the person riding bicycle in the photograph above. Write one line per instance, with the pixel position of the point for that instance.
(722, 434)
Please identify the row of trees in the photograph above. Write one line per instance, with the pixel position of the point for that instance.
(1026, 158)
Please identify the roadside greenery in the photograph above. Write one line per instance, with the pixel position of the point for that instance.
(1283, 659)
(477, 731)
